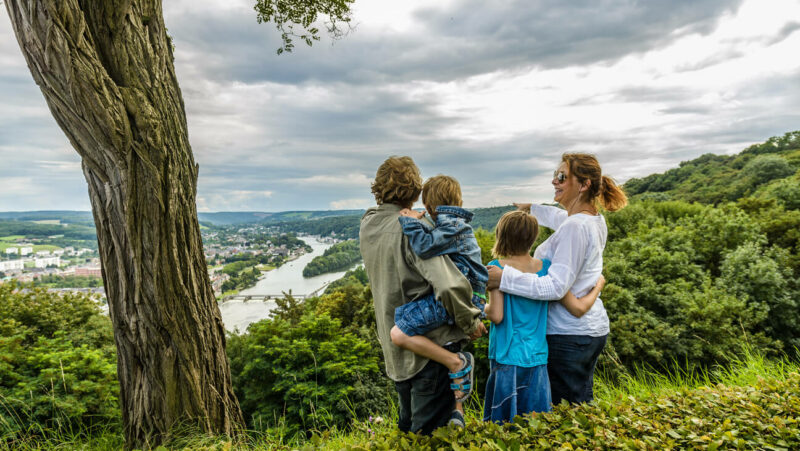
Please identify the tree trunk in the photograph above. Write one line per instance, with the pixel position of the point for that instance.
(106, 71)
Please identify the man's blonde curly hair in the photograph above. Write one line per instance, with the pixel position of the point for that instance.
(397, 182)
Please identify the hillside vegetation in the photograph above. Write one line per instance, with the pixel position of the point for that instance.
(764, 171)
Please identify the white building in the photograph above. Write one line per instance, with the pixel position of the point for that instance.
(43, 254)
(25, 251)
(47, 261)
(11, 264)
(58, 252)
(12, 250)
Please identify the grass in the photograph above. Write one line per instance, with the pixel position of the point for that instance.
(642, 388)
(741, 371)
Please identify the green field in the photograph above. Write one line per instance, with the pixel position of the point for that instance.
(10, 241)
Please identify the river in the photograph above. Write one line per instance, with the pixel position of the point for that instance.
(239, 314)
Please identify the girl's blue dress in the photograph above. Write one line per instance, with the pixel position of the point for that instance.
(518, 382)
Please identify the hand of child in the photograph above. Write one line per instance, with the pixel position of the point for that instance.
(495, 275)
(412, 213)
(523, 207)
(478, 332)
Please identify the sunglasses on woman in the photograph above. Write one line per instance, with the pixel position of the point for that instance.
(560, 176)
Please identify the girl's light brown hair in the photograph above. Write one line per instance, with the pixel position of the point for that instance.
(441, 190)
(397, 182)
(602, 188)
(515, 234)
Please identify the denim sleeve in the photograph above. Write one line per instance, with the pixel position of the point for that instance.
(450, 287)
(427, 242)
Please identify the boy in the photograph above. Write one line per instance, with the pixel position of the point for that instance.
(452, 236)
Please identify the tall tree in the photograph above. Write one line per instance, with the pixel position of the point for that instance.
(106, 71)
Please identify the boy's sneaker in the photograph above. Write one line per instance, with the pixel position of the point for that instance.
(456, 419)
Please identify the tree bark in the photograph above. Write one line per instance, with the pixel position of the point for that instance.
(106, 71)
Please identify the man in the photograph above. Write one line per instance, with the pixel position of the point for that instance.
(397, 275)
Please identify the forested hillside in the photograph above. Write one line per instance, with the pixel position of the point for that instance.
(764, 171)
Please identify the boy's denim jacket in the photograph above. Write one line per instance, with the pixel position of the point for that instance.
(453, 236)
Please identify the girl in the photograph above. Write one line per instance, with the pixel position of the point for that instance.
(518, 382)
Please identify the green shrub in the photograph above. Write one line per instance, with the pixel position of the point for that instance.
(57, 364)
(309, 374)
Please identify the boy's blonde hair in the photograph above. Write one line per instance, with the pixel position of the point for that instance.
(397, 182)
(441, 190)
(515, 234)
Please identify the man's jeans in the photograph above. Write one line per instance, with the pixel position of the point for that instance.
(426, 399)
(570, 365)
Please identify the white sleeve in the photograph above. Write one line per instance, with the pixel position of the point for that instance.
(549, 216)
(568, 258)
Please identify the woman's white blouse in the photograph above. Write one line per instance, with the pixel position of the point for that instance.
(576, 252)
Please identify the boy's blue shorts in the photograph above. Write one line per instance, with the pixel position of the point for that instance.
(421, 316)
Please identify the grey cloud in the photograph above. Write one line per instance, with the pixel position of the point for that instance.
(718, 58)
(785, 32)
(472, 37)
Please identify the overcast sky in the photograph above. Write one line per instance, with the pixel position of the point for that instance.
(489, 92)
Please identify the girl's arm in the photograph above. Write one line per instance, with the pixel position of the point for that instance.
(578, 307)
(494, 308)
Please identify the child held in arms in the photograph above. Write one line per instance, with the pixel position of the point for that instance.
(518, 382)
(453, 236)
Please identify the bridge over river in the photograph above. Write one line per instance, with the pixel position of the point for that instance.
(269, 297)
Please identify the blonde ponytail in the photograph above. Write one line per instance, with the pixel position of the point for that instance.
(612, 198)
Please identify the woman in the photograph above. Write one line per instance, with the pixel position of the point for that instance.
(575, 336)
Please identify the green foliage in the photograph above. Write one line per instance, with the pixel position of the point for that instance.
(345, 227)
(357, 276)
(339, 256)
(54, 281)
(57, 364)
(765, 168)
(762, 416)
(486, 218)
(310, 373)
(485, 240)
(715, 179)
(34, 230)
(678, 285)
(785, 191)
(315, 363)
(288, 14)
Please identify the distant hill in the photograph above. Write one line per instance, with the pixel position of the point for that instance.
(65, 216)
(768, 170)
(252, 217)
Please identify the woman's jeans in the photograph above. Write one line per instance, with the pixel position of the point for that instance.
(570, 365)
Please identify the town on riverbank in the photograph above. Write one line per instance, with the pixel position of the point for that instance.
(60, 252)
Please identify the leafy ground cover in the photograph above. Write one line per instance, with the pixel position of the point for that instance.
(752, 404)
